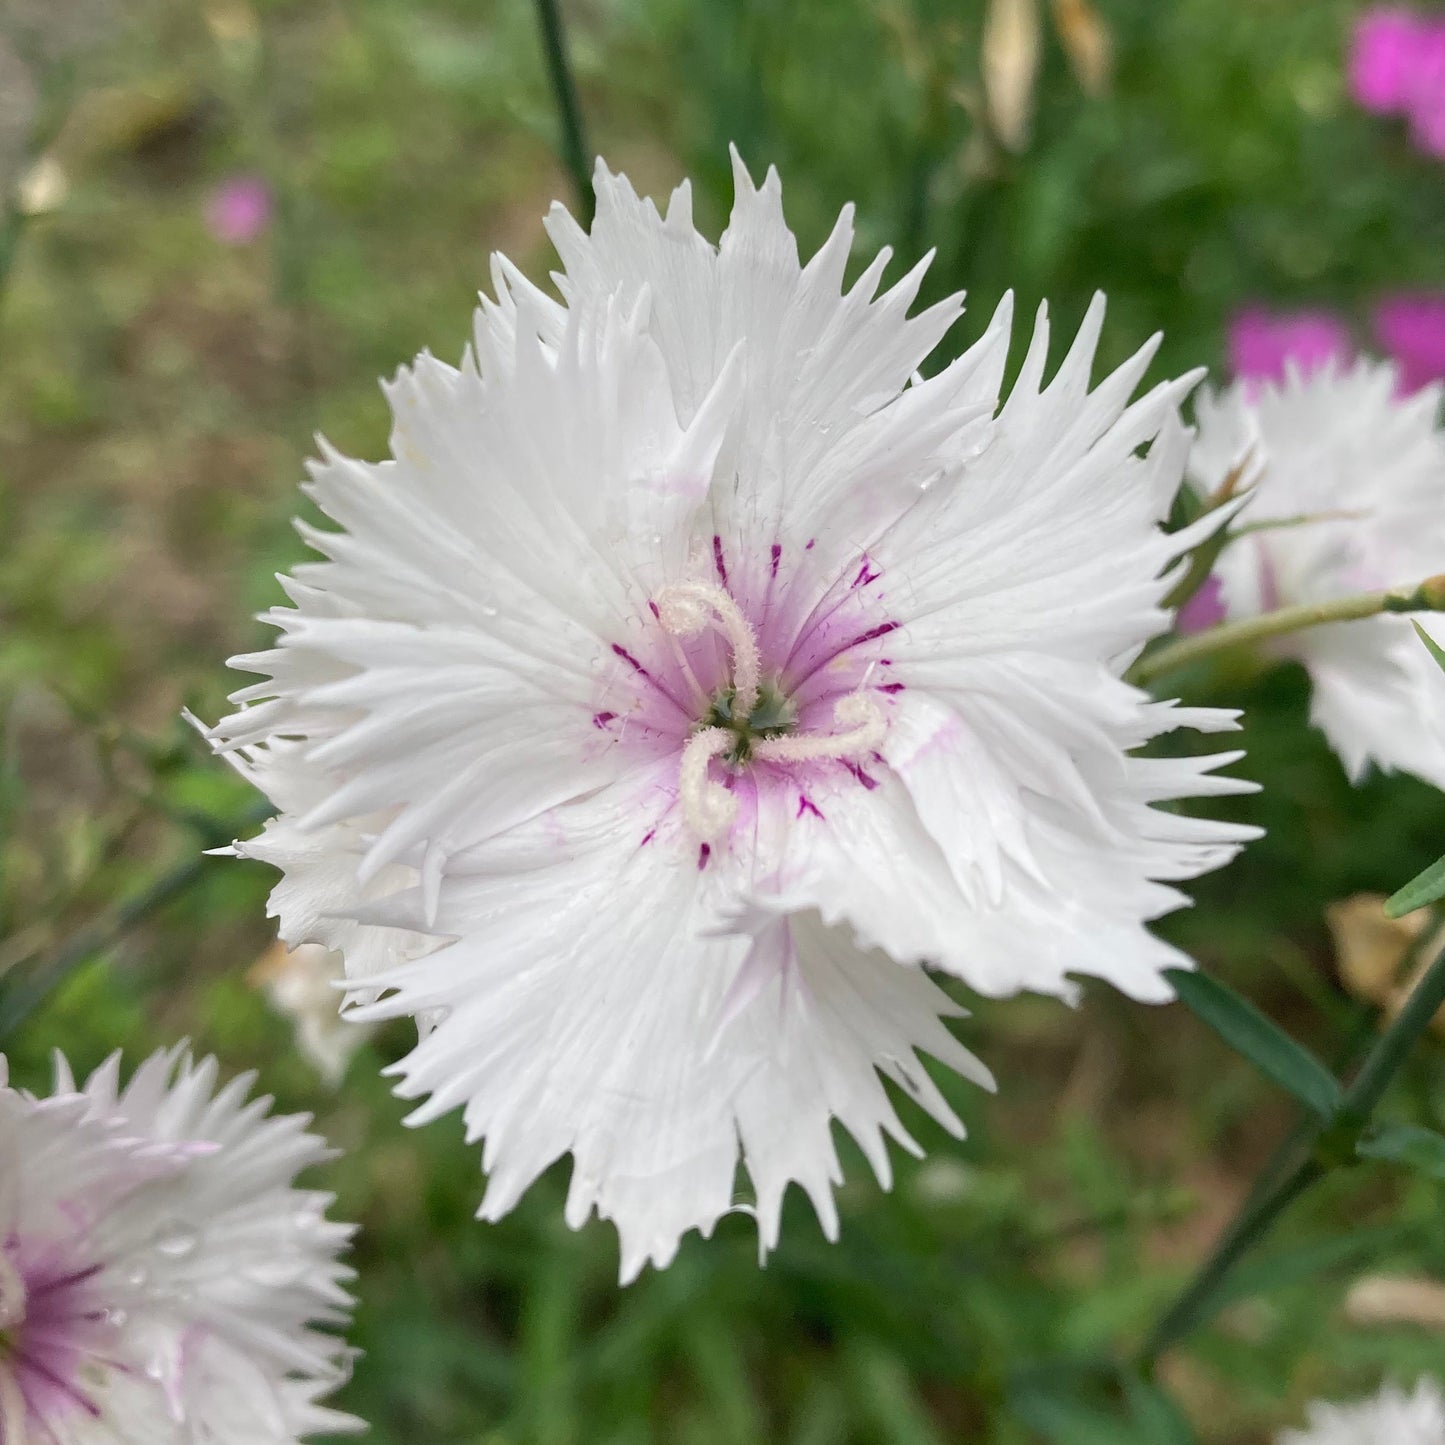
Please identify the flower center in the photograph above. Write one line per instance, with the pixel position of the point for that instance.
(751, 720)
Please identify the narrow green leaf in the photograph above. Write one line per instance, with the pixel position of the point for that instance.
(1159, 1419)
(1423, 1150)
(1427, 887)
(1287, 1268)
(1436, 651)
(1066, 1422)
(1272, 1051)
(885, 1396)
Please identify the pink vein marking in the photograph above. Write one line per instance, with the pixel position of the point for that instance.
(642, 672)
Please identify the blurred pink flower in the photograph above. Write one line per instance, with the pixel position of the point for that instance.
(1397, 67)
(239, 209)
(1261, 342)
(1382, 56)
(1202, 611)
(1425, 101)
(1411, 329)
(1382, 52)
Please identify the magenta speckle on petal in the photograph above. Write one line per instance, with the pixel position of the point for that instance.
(1411, 328)
(868, 782)
(239, 210)
(882, 630)
(812, 542)
(892, 687)
(656, 611)
(601, 719)
(777, 557)
(806, 805)
(1262, 343)
(629, 659)
(717, 559)
(703, 854)
(866, 574)
(650, 835)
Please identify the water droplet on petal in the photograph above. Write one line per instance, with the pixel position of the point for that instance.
(176, 1239)
(279, 1273)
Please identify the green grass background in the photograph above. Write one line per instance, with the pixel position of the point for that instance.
(158, 393)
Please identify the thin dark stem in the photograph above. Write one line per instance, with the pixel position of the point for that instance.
(1312, 1145)
(1393, 1046)
(11, 226)
(576, 154)
(22, 999)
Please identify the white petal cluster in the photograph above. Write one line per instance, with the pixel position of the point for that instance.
(1391, 1418)
(691, 675)
(162, 1281)
(1347, 496)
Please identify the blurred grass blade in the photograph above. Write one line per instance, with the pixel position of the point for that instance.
(1426, 887)
(1160, 1420)
(1307, 1262)
(1272, 1051)
(1436, 651)
(885, 1397)
(1422, 1150)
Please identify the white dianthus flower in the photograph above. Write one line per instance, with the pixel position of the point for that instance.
(161, 1280)
(1367, 469)
(1391, 1418)
(698, 671)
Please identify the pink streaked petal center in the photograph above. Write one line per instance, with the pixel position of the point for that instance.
(759, 670)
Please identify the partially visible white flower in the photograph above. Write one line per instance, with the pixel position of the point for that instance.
(1391, 1418)
(692, 674)
(300, 984)
(162, 1281)
(1368, 469)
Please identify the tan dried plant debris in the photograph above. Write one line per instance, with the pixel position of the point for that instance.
(1087, 42)
(1371, 952)
(1382, 1299)
(1010, 58)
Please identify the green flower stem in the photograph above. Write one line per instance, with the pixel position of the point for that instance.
(1200, 1300)
(1429, 596)
(19, 998)
(1383, 1062)
(576, 154)
(1315, 1147)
